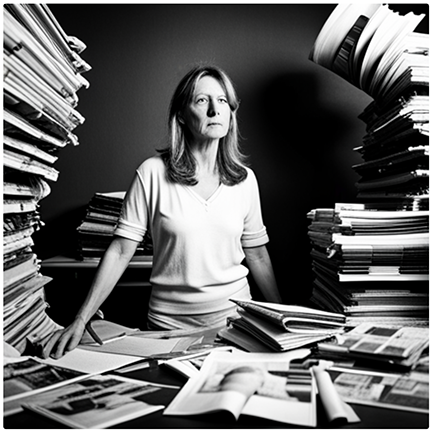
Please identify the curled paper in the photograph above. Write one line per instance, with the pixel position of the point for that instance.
(335, 408)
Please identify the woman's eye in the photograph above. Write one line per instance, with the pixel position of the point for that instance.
(223, 100)
(201, 100)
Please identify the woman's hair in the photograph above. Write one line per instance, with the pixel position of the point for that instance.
(178, 158)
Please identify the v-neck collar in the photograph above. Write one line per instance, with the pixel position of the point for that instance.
(210, 199)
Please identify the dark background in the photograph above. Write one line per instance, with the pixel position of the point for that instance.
(299, 121)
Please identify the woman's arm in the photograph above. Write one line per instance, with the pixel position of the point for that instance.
(260, 266)
(109, 271)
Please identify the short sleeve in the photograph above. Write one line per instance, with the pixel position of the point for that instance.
(255, 232)
(132, 223)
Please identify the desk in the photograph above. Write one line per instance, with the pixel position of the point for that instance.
(371, 417)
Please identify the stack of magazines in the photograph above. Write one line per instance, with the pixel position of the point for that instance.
(268, 327)
(371, 259)
(42, 74)
(96, 230)
(371, 265)
(378, 50)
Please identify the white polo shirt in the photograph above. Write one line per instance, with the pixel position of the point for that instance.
(198, 244)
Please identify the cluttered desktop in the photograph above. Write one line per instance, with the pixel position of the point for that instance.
(335, 376)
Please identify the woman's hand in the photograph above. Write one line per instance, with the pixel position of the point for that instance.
(62, 341)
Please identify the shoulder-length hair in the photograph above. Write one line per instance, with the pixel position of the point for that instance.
(178, 158)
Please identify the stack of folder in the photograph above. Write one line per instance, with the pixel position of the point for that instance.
(371, 259)
(96, 230)
(42, 74)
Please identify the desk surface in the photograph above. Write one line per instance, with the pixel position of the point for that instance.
(371, 417)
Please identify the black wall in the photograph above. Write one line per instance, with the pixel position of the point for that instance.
(298, 120)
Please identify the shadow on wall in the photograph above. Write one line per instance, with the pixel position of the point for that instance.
(66, 224)
(300, 168)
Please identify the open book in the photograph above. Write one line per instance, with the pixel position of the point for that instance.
(260, 385)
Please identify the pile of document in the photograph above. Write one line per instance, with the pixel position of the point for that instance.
(371, 265)
(371, 259)
(42, 74)
(271, 327)
(378, 50)
(395, 150)
(96, 230)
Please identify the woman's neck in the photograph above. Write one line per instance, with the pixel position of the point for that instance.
(205, 156)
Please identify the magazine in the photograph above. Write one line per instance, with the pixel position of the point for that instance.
(383, 346)
(408, 392)
(293, 318)
(401, 346)
(26, 376)
(272, 336)
(96, 402)
(259, 385)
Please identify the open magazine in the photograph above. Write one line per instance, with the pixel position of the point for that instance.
(97, 402)
(259, 385)
(385, 345)
(407, 392)
(27, 376)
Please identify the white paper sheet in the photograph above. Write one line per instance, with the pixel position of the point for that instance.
(91, 361)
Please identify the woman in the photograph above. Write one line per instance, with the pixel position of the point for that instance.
(201, 205)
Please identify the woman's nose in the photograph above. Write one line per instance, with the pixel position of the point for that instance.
(212, 108)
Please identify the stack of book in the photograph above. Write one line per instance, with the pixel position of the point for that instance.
(42, 73)
(371, 259)
(268, 327)
(97, 228)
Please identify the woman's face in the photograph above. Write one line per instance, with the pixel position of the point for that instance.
(208, 115)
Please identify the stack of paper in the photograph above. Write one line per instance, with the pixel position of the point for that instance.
(97, 228)
(377, 50)
(371, 259)
(42, 73)
(373, 47)
(267, 327)
(370, 264)
(396, 153)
